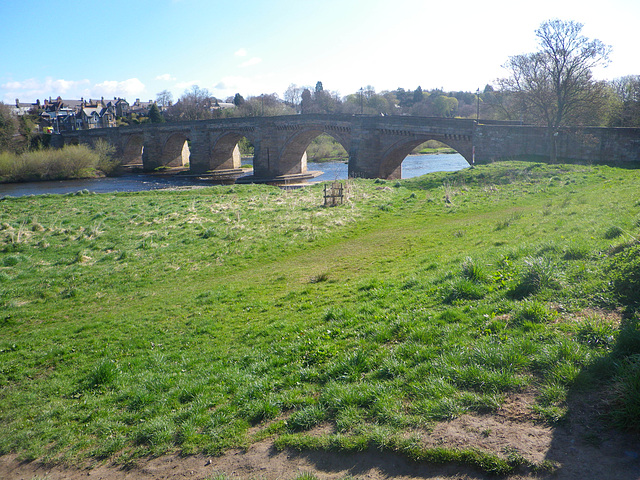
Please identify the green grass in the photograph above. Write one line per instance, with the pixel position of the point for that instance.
(197, 321)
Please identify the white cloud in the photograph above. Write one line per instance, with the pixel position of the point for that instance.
(166, 77)
(241, 53)
(251, 62)
(125, 88)
(32, 88)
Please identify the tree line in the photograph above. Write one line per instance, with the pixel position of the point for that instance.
(553, 86)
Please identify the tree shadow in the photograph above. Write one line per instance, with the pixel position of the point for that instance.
(599, 437)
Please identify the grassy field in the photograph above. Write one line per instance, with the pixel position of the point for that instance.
(196, 321)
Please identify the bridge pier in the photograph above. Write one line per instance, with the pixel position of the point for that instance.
(152, 153)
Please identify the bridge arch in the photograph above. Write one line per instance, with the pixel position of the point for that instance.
(175, 151)
(392, 158)
(133, 150)
(225, 152)
(293, 158)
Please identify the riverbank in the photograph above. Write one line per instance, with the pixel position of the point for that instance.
(70, 162)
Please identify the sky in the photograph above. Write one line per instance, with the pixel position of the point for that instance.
(138, 48)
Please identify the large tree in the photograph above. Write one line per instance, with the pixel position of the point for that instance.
(626, 102)
(164, 98)
(195, 104)
(154, 114)
(554, 86)
(293, 95)
(238, 100)
(8, 127)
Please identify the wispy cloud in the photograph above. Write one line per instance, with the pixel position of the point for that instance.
(125, 88)
(32, 88)
(251, 62)
(241, 53)
(167, 77)
(186, 85)
(229, 85)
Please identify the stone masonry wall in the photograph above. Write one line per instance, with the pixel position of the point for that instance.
(619, 146)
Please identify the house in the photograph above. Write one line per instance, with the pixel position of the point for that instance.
(20, 109)
(141, 108)
(94, 115)
(123, 109)
(59, 115)
(61, 120)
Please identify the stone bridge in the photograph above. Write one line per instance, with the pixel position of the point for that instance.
(376, 145)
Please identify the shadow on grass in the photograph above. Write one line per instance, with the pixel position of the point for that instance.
(599, 437)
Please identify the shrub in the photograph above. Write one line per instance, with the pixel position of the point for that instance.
(106, 161)
(73, 161)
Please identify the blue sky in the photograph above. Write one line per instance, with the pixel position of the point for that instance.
(137, 48)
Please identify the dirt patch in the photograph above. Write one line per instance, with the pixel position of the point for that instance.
(581, 447)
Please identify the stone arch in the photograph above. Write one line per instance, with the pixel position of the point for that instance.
(133, 150)
(225, 153)
(293, 157)
(392, 158)
(175, 151)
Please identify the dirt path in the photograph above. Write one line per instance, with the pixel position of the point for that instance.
(581, 451)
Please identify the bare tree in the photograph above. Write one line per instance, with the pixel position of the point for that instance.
(293, 96)
(194, 104)
(164, 98)
(555, 86)
(266, 105)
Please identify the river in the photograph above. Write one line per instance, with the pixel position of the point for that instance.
(412, 166)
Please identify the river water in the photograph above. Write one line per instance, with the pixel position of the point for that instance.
(412, 166)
